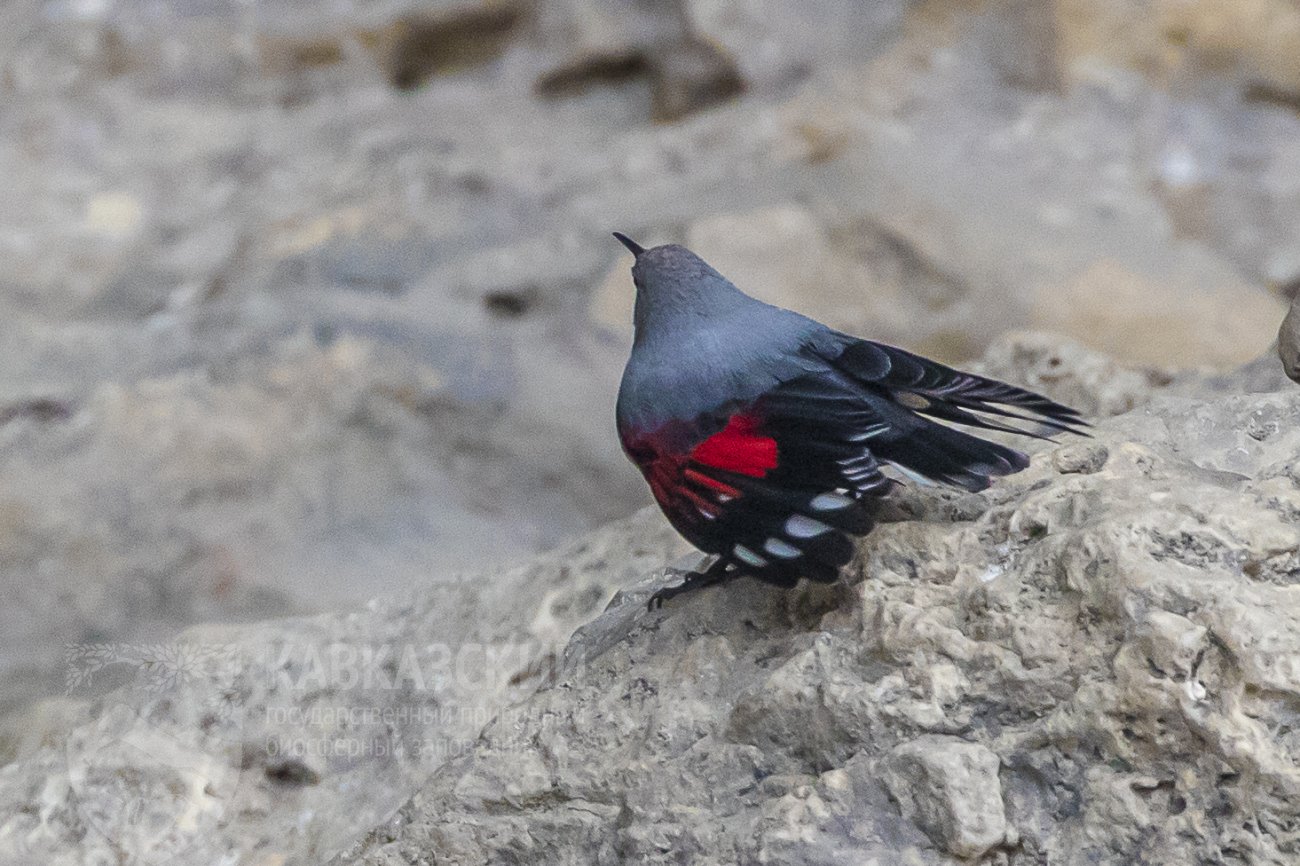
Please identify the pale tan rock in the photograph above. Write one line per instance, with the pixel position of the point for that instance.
(1259, 37)
(1146, 320)
(612, 301)
(1172, 40)
(1077, 375)
(1120, 33)
(1172, 642)
(782, 256)
(950, 789)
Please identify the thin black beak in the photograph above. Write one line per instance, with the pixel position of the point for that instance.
(632, 245)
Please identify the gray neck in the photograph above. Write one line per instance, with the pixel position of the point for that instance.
(701, 343)
(691, 297)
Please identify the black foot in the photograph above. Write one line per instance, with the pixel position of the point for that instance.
(714, 574)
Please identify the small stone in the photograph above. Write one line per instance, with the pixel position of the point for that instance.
(950, 789)
(1172, 642)
(114, 214)
(1083, 459)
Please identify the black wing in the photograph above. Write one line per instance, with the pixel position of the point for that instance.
(832, 428)
(795, 520)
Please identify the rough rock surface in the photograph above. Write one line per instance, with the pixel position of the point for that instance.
(283, 742)
(1092, 662)
(950, 789)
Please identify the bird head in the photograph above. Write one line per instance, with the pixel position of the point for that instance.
(671, 275)
(675, 286)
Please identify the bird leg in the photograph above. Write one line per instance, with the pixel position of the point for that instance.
(714, 574)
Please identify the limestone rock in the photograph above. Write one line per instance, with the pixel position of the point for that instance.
(1076, 664)
(781, 255)
(1258, 39)
(1151, 322)
(286, 741)
(1091, 381)
(950, 789)
(1086, 663)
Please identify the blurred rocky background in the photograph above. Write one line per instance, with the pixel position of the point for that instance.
(305, 302)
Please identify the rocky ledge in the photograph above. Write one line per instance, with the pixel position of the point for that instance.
(1095, 661)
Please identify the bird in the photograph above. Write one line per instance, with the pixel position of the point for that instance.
(768, 439)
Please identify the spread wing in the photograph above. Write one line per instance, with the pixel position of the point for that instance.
(778, 485)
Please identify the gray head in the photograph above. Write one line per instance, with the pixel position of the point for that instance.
(677, 289)
(700, 341)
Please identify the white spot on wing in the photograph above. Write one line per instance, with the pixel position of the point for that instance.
(780, 549)
(744, 554)
(830, 502)
(869, 432)
(912, 476)
(911, 400)
(799, 526)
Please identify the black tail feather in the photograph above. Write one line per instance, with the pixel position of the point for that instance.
(953, 395)
(952, 457)
(919, 398)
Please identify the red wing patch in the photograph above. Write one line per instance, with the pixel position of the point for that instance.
(680, 472)
(738, 448)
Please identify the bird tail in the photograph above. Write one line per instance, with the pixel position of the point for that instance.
(921, 397)
(939, 453)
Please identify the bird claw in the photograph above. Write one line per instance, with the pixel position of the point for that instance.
(714, 574)
(657, 600)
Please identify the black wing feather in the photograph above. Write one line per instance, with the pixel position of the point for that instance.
(951, 391)
(860, 403)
